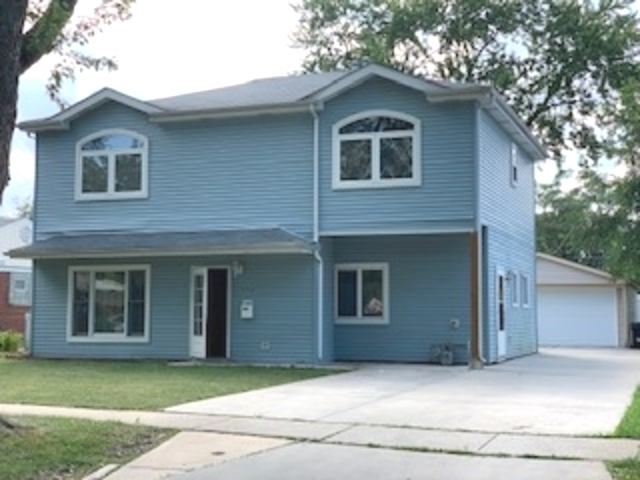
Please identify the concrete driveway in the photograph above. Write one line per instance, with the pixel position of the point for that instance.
(558, 391)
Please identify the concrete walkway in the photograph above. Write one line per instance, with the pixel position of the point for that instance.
(210, 440)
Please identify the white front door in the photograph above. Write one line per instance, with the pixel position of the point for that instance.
(198, 344)
(500, 314)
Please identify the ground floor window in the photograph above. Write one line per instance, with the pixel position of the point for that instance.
(362, 293)
(524, 290)
(109, 303)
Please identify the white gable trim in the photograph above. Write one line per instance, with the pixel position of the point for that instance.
(61, 120)
(363, 74)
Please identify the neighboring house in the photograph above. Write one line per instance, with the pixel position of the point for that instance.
(356, 215)
(579, 306)
(15, 274)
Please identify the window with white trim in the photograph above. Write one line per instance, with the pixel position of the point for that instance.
(525, 292)
(514, 165)
(109, 303)
(514, 292)
(111, 164)
(362, 293)
(376, 149)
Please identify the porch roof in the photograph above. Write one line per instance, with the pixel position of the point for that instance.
(213, 242)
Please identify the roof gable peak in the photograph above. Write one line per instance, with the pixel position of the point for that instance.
(61, 120)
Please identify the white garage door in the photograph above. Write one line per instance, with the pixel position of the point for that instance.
(577, 316)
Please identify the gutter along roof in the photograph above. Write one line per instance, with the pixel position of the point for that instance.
(218, 242)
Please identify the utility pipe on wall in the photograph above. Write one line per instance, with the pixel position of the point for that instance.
(316, 229)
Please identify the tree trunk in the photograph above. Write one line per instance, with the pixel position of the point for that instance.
(12, 17)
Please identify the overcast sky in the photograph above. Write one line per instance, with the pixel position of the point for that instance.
(167, 48)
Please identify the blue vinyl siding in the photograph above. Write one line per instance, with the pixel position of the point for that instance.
(429, 285)
(281, 287)
(237, 173)
(510, 236)
(446, 197)
(326, 250)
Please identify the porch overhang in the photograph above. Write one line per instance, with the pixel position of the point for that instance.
(155, 244)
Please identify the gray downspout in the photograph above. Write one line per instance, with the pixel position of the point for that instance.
(316, 230)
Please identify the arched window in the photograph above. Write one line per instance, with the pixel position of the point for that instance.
(376, 149)
(111, 164)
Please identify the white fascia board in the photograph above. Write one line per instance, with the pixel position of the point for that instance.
(472, 92)
(61, 120)
(266, 250)
(399, 232)
(191, 115)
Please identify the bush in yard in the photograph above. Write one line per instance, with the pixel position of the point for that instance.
(10, 341)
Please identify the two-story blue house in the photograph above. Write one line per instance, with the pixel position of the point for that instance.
(362, 215)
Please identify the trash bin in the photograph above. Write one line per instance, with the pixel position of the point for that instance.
(635, 335)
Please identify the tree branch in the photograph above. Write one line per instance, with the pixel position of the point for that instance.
(44, 34)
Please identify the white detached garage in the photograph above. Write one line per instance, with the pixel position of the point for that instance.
(579, 306)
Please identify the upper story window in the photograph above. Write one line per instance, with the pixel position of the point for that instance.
(376, 149)
(514, 165)
(111, 164)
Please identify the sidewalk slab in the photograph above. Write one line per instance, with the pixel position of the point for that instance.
(598, 449)
(311, 461)
(276, 428)
(563, 447)
(191, 450)
(413, 438)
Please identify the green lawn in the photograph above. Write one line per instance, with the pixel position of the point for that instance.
(56, 448)
(132, 385)
(629, 427)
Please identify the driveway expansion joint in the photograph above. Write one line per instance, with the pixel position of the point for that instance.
(485, 444)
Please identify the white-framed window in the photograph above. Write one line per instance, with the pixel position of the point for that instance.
(514, 289)
(362, 293)
(110, 165)
(109, 303)
(525, 292)
(20, 289)
(513, 173)
(377, 148)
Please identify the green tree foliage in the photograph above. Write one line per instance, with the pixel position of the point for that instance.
(595, 224)
(598, 222)
(559, 63)
(31, 29)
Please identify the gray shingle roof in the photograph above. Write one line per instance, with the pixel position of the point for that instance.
(295, 93)
(266, 91)
(273, 240)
